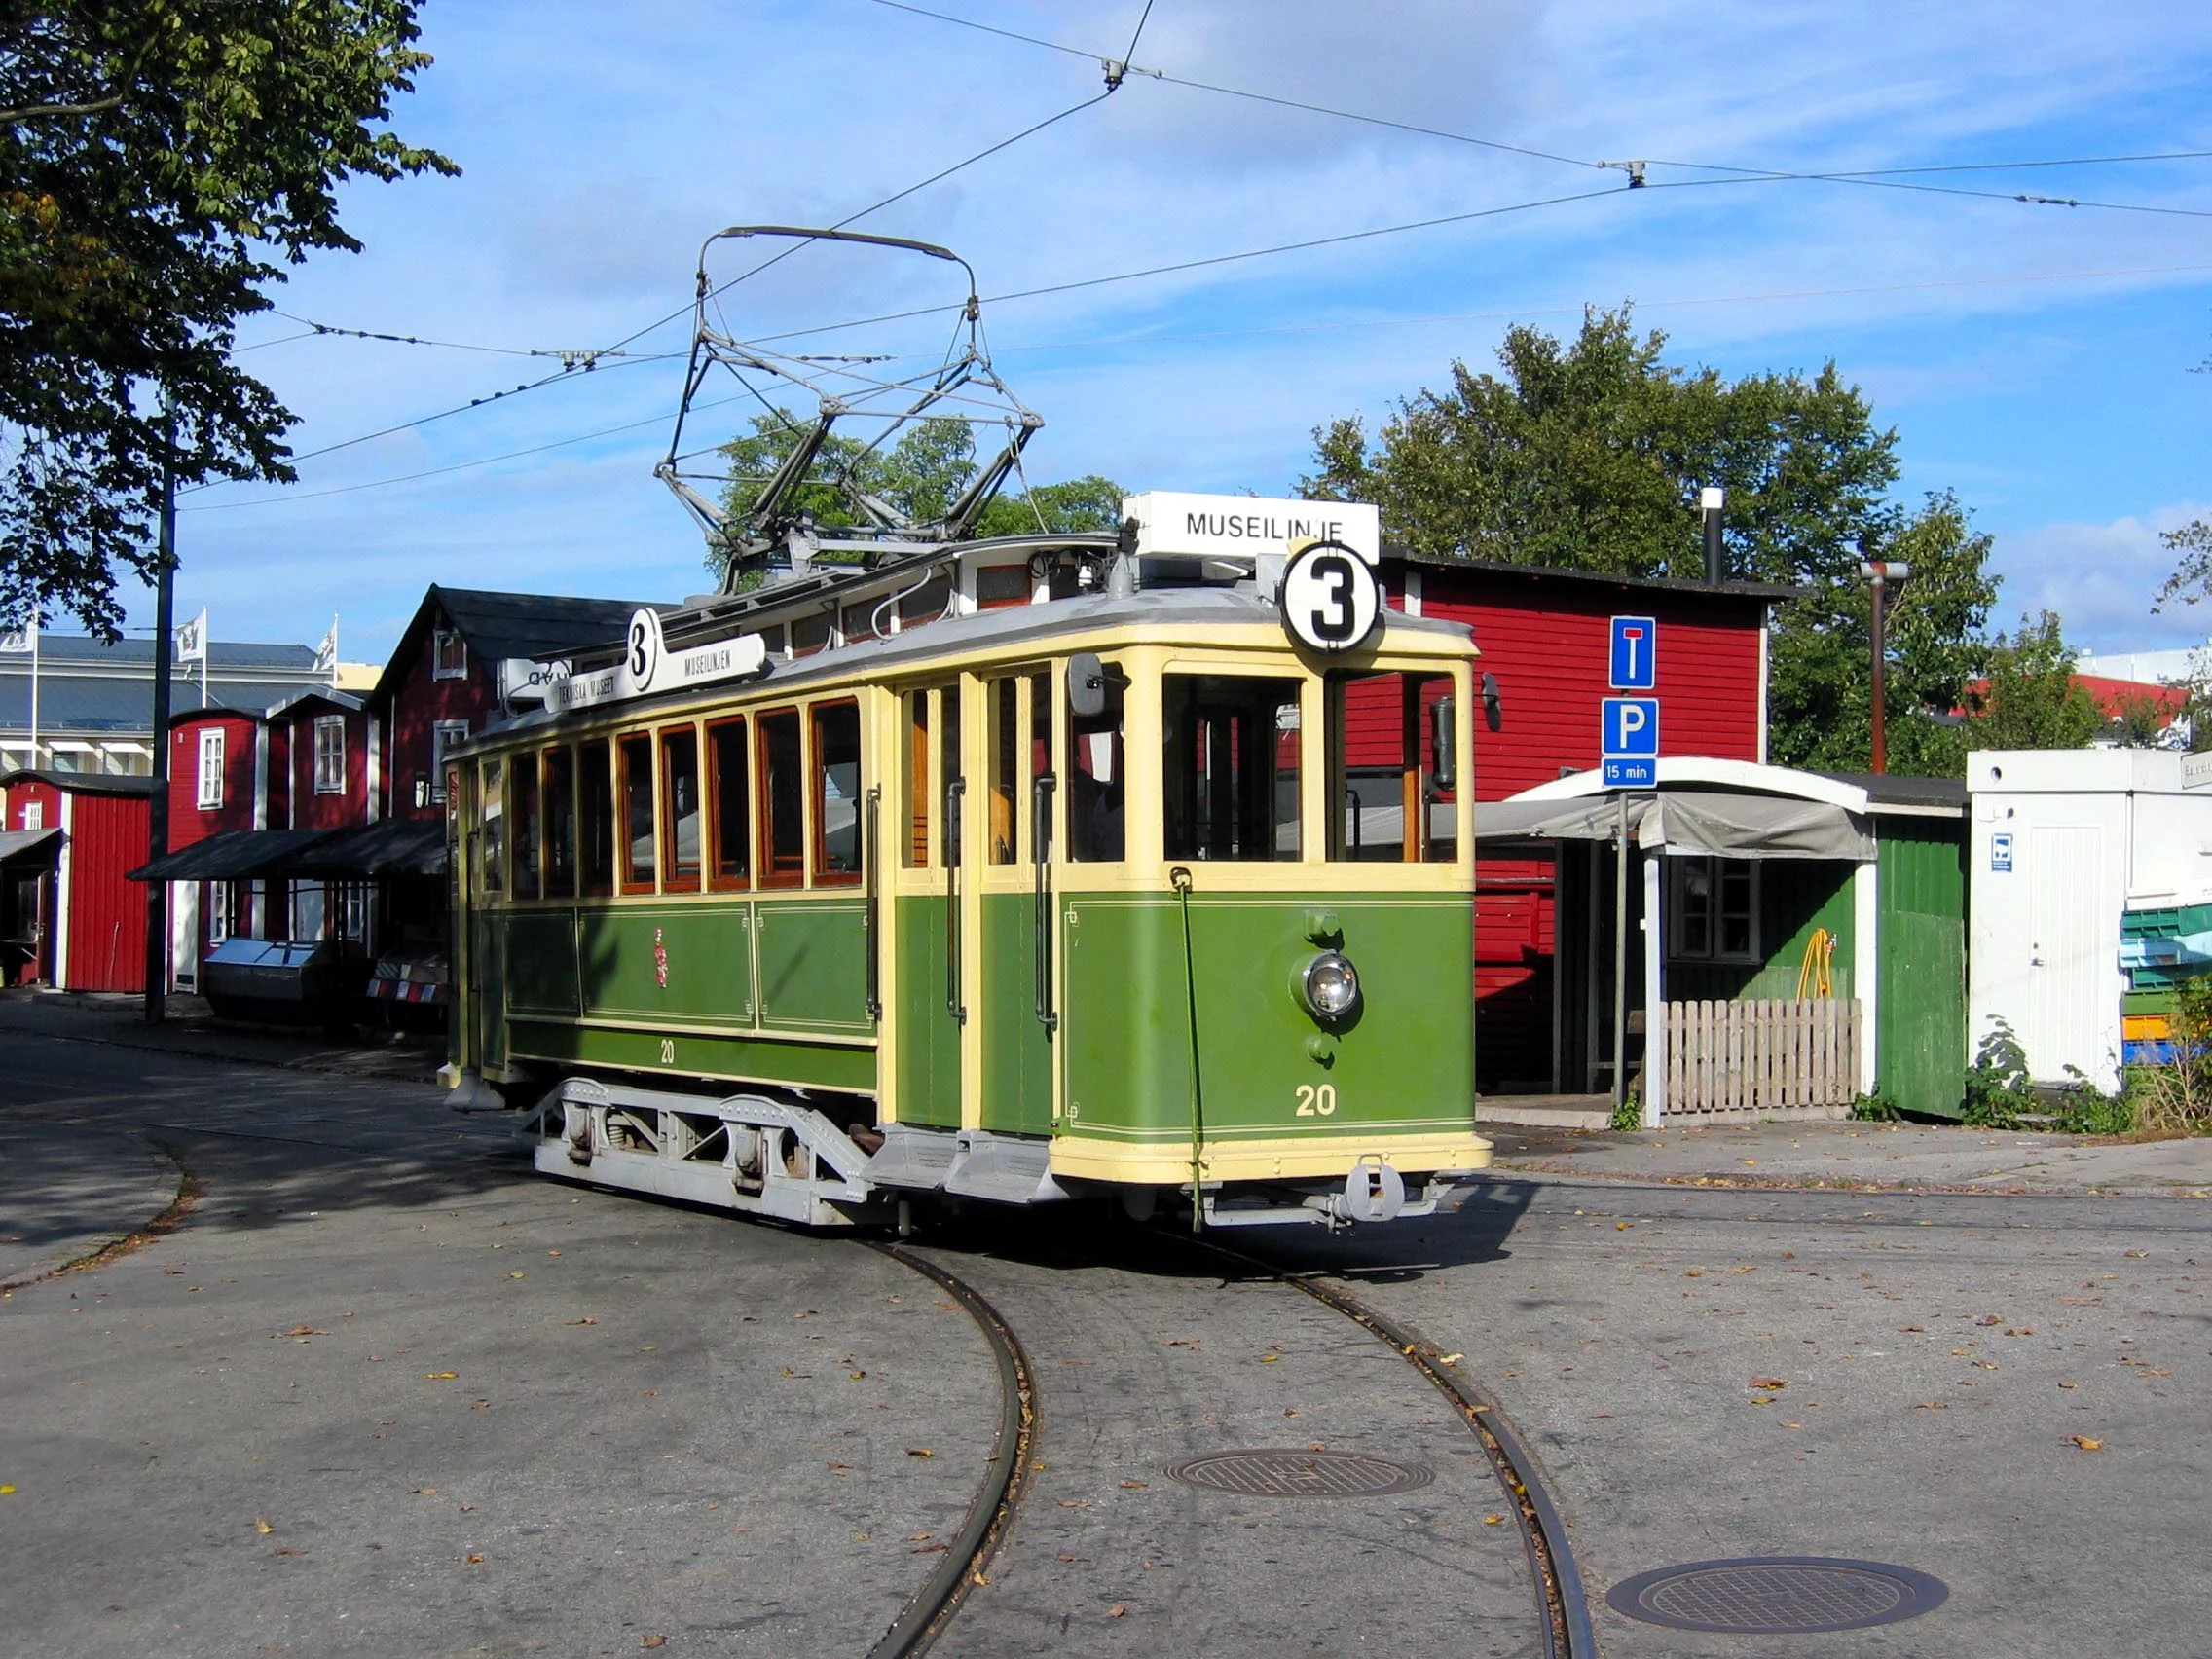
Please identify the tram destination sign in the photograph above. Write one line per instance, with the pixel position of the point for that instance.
(648, 666)
(1174, 525)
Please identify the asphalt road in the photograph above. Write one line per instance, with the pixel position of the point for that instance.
(386, 1392)
(652, 1425)
(1891, 1378)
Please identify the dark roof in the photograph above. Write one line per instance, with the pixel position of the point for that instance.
(1889, 788)
(391, 846)
(228, 855)
(15, 843)
(341, 700)
(499, 625)
(72, 704)
(1763, 592)
(83, 783)
(83, 647)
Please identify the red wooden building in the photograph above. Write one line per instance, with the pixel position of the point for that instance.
(442, 682)
(69, 917)
(1545, 636)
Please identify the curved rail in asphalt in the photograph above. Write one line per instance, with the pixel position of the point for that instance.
(940, 1597)
(1565, 1605)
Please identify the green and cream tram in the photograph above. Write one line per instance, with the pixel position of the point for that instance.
(1120, 890)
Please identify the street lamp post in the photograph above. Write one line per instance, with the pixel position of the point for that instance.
(1881, 572)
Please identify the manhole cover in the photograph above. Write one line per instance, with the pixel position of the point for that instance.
(1776, 1595)
(1299, 1474)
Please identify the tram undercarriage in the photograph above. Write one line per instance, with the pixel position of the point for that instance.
(756, 1154)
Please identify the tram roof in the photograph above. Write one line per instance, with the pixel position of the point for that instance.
(1166, 608)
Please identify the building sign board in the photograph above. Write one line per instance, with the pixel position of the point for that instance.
(2001, 852)
(1175, 524)
(1635, 654)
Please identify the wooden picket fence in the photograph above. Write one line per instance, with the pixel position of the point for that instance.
(1783, 1058)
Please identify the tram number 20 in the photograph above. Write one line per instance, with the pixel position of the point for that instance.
(1316, 1100)
(668, 1051)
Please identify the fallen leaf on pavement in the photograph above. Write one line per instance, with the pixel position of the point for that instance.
(1449, 1358)
(919, 1537)
(2084, 1443)
(653, 1639)
(1132, 1485)
(1921, 1329)
(1494, 1520)
(286, 1549)
(919, 1451)
(262, 1526)
(1116, 1611)
(1762, 1399)
(2070, 1384)
(587, 1320)
(475, 1560)
(440, 1375)
(1932, 1406)
(1769, 1382)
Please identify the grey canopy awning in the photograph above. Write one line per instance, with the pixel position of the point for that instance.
(229, 855)
(389, 847)
(13, 843)
(1724, 822)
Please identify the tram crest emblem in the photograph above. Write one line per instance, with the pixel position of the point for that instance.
(661, 960)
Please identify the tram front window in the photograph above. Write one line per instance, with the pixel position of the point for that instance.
(1391, 803)
(1230, 767)
(1098, 775)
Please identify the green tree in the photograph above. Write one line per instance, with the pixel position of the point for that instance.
(2031, 699)
(158, 160)
(920, 476)
(1590, 455)
(1820, 688)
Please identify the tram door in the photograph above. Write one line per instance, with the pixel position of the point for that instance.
(928, 868)
(487, 937)
(1010, 905)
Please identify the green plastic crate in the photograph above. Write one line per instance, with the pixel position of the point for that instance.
(2170, 923)
(2149, 1002)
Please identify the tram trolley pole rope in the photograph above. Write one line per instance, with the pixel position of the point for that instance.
(1180, 876)
(924, 1616)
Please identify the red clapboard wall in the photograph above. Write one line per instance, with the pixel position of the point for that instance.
(1545, 636)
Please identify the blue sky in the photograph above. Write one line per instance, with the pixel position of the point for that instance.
(2035, 358)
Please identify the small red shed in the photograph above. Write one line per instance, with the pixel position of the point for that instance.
(69, 915)
(1547, 638)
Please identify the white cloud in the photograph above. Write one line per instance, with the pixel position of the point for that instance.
(2101, 578)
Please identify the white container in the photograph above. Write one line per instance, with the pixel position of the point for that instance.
(2063, 840)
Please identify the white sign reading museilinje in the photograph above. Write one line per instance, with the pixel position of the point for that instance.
(1172, 522)
(648, 666)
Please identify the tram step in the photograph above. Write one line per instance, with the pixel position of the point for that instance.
(1005, 1168)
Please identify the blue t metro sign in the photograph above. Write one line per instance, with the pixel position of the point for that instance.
(1635, 655)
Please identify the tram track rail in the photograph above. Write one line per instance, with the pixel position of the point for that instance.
(1563, 1603)
(932, 1606)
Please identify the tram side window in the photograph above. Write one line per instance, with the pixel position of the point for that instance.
(1097, 777)
(636, 752)
(492, 849)
(782, 798)
(836, 792)
(926, 604)
(733, 810)
(526, 828)
(1006, 743)
(679, 808)
(949, 769)
(1230, 767)
(915, 792)
(595, 816)
(559, 823)
(1386, 771)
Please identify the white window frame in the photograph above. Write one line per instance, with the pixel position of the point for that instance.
(34, 815)
(440, 638)
(216, 902)
(210, 777)
(444, 735)
(330, 755)
(1680, 868)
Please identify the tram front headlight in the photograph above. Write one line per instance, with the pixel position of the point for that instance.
(1329, 986)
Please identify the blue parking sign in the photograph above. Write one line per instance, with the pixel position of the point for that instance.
(1631, 726)
(1635, 654)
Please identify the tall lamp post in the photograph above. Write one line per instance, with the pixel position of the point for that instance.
(1882, 572)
